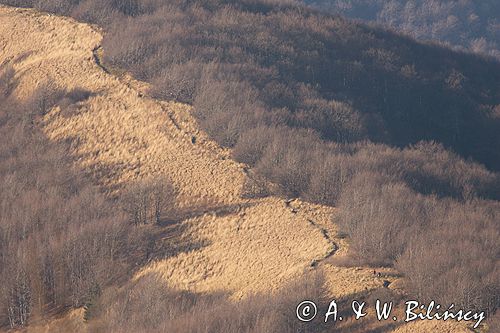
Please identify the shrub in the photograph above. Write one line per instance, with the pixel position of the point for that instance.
(146, 201)
(148, 305)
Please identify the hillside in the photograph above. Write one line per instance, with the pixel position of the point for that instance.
(287, 65)
(467, 25)
(123, 137)
(119, 135)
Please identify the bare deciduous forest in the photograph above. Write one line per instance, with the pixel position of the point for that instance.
(52, 255)
(468, 25)
(402, 137)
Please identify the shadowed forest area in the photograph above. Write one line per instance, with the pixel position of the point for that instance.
(471, 25)
(401, 136)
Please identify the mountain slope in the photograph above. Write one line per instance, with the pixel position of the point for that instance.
(120, 136)
(468, 25)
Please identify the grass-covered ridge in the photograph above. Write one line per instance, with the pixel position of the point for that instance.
(335, 112)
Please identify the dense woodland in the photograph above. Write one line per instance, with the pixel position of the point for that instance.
(52, 255)
(402, 136)
(472, 25)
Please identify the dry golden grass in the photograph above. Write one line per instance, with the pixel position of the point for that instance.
(124, 136)
(259, 248)
(121, 136)
(71, 322)
(432, 326)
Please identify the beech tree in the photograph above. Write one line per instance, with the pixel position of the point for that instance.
(146, 201)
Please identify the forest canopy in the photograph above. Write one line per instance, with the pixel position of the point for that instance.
(472, 25)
